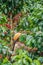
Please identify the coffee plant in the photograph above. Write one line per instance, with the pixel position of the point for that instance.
(21, 32)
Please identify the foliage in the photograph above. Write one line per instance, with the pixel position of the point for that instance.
(5, 31)
(28, 14)
(6, 62)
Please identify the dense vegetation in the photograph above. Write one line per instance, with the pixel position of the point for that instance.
(25, 17)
